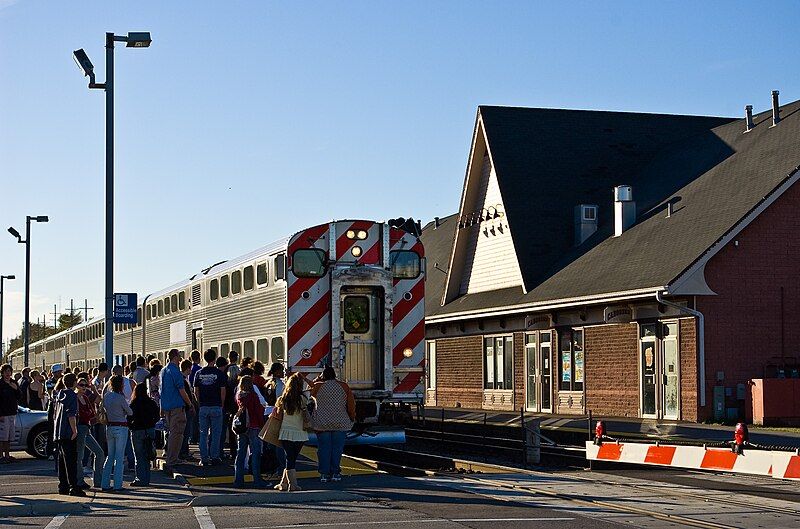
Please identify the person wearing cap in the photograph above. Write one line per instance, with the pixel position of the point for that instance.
(173, 400)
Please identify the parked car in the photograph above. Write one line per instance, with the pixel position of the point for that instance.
(30, 432)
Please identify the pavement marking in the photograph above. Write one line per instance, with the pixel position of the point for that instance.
(57, 522)
(204, 518)
(411, 521)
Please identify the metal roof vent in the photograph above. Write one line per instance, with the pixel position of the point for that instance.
(748, 117)
(585, 222)
(624, 209)
(776, 108)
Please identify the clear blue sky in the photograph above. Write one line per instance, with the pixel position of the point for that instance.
(246, 121)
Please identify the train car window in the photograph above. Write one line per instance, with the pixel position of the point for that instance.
(214, 289)
(155, 311)
(236, 346)
(262, 351)
(102, 328)
(249, 349)
(182, 300)
(174, 303)
(248, 278)
(167, 309)
(138, 316)
(224, 349)
(261, 274)
(308, 262)
(160, 307)
(236, 282)
(225, 286)
(277, 350)
(280, 266)
(356, 314)
(149, 313)
(405, 264)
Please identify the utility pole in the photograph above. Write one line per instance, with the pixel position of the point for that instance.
(55, 317)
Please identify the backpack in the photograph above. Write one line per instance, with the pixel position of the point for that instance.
(240, 423)
(270, 393)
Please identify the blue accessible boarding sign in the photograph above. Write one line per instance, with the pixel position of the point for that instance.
(125, 308)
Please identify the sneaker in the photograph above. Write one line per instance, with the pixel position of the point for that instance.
(336, 478)
(137, 483)
(77, 492)
(324, 479)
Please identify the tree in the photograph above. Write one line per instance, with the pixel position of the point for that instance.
(67, 320)
(40, 331)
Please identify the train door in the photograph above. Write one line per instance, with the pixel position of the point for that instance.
(197, 340)
(362, 336)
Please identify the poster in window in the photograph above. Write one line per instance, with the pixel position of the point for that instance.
(566, 366)
(578, 366)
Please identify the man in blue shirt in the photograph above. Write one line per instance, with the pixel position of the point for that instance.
(210, 387)
(173, 399)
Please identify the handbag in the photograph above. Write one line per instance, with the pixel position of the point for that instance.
(101, 417)
(272, 429)
(308, 410)
(240, 422)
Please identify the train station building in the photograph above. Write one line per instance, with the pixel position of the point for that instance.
(631, 264)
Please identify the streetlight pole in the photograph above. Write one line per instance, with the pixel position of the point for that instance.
(26, 331)
(2, 343)
(132, 40)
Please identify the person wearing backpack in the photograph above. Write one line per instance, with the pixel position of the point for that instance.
(246, 424)
(142, 423)
(87, 398)
(273, 390)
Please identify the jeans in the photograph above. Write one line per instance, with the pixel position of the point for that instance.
(292, 449)
(187, 431)
(117, 438)
(210, 419)
(129, 454)
(245, 441)
(67, 464)
(99, 433)
(176, 422)
(280, 456)
(141, 439)
(86, 440)
(330, 446)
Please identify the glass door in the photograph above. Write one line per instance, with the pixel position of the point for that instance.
(545, 368)
(670, 367)
(531, 374)
(647, 363)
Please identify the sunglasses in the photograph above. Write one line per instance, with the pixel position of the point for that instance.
(83, 385)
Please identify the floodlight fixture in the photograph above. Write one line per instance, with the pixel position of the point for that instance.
(15, 233)
(42, 218)
(83, 62)
(12, 276)
(138, 39)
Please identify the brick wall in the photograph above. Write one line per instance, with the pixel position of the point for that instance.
(744, 321)
(519, 370)
(459, 372)
(687, 353)
(611, 370)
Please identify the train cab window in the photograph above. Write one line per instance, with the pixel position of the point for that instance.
(161, 307)
(224, 349)
(249, 349)
(167, 309)
(248, 278)
(225, 286)
(174, 299)
(236, 282)
(405, 264)
(279, 267)
(261, 274)
(262, 351)
(309, 262)
(182, 300)
(356, 314)
(278, 354)
(214, 289)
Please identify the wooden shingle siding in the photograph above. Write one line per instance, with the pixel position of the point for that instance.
(491, 262)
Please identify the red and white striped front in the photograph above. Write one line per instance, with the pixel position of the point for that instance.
(408, 319)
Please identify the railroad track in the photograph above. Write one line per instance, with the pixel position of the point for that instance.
(415, 464)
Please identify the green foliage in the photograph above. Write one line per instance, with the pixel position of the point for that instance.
(40, 331)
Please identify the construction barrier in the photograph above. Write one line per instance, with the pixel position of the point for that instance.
(783, 465)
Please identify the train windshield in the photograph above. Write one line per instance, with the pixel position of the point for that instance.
(309, 262)
(405, 264)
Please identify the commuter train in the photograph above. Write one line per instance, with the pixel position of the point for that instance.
(347, 293)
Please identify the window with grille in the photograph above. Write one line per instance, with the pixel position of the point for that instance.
(196, 295)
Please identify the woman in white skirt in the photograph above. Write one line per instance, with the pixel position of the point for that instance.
(292, 408)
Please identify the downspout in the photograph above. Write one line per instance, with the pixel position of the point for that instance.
(701, 347)
(144, 324)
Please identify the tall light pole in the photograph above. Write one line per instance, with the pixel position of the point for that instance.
(132, 40)
(2, 343)
(26, 331)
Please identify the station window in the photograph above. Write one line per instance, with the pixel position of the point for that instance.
(167, 309)
(236, 282)
(498, 365)
(262, 351)
(174, 299)
(261, 274)
(572, 360)
(278, 354)
(160, 307)
(182, 300)
(214, 289)
(248, 278)
(249, 349)
(405, 264)
(225, 286)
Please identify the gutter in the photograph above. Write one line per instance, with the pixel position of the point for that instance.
(701, 348)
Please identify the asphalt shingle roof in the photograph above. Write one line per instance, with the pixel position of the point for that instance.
(548, 161)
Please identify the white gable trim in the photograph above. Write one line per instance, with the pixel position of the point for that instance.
(688, 280)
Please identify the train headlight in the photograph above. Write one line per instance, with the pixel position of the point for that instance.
(356, 251)
(351, 234)
(361, 235)
(408, 352)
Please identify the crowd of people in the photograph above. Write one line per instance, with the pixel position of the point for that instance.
(112, 422)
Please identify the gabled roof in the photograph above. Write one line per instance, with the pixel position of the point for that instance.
(548, 161)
